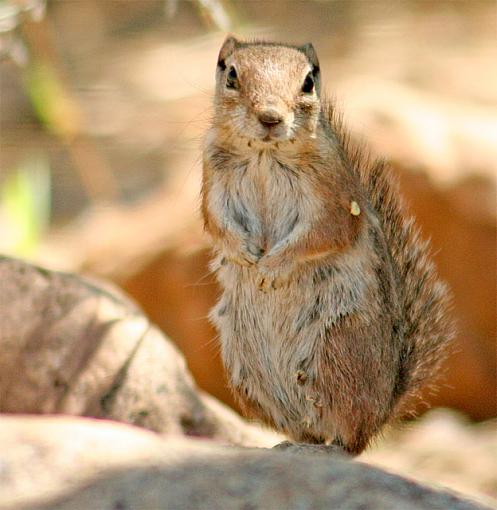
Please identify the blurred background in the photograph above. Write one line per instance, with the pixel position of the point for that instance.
(103, 104)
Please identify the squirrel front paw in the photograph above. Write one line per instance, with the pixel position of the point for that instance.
(274, 273)
(266, 283)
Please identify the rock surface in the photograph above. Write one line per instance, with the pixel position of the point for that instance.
(57, 463)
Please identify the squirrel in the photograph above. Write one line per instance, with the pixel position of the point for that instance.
(332, 316)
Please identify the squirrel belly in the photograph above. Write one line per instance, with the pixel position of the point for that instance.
(331, 317)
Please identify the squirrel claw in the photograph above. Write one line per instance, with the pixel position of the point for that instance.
(263, 284)
(267, 283)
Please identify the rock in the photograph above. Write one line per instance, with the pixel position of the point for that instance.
(74, 347)
(60, 463)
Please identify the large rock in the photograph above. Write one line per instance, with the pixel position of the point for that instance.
(80, 464)
(71, 346)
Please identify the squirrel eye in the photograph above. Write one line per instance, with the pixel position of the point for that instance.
(308, 85)
(232, 79)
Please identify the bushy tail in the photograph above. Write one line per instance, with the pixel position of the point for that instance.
(428, 328)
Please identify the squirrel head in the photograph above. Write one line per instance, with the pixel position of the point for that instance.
(266, 92)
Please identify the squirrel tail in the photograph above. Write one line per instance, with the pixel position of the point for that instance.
(428, 328)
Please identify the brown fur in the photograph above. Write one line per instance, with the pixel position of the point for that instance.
(330, 322)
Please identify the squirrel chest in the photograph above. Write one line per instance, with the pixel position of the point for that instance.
(264, 196)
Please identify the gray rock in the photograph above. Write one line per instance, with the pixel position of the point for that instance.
(62, 463)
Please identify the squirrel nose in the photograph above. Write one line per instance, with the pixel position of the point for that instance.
(270, 118)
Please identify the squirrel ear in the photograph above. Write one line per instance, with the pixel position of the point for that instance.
(229, 45)
(309, 51)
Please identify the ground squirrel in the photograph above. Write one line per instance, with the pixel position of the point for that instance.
(331, 316)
